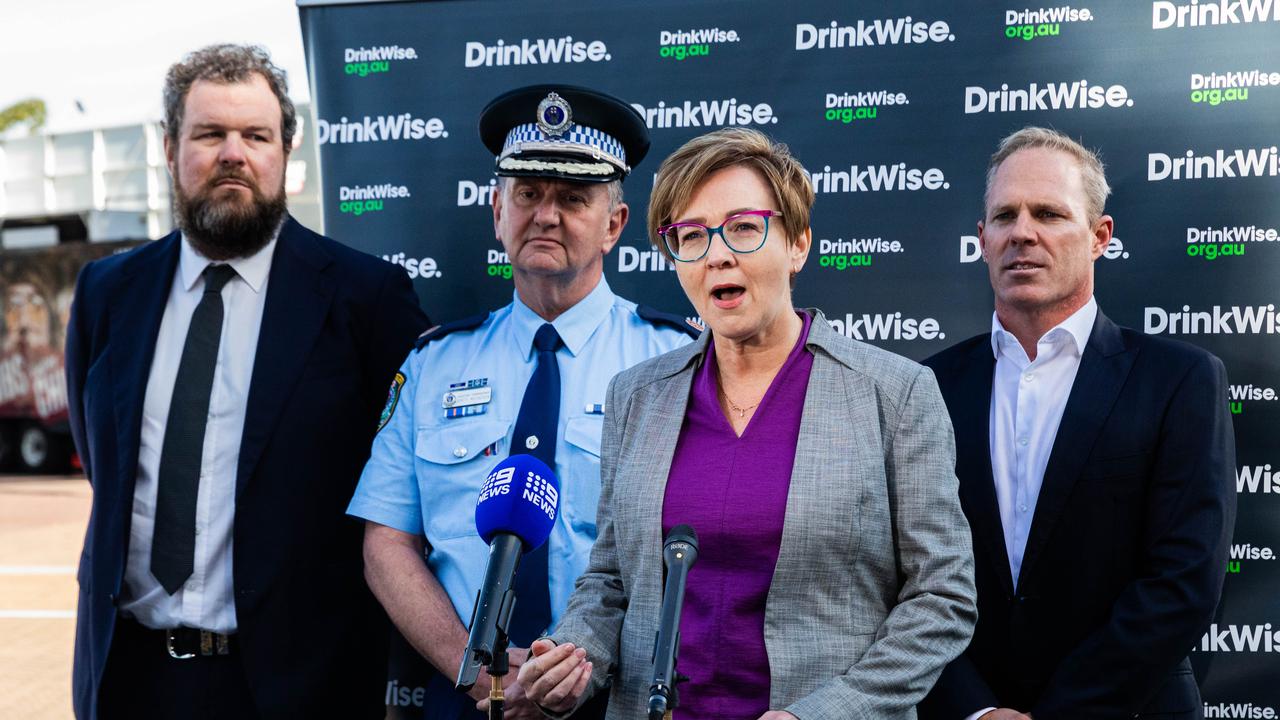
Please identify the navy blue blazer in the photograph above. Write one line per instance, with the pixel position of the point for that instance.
(336, 325)
(1128, 546)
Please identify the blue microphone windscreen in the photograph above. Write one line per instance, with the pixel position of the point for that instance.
(521, 496)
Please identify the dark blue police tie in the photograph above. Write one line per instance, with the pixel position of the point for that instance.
(173, 541)
(536, 435)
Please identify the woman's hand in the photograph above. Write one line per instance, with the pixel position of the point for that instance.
(555, 676)
(778, 715)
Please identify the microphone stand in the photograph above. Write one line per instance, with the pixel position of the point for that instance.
(497, 669)
(500, 662)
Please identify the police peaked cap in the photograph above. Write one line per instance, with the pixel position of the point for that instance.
(563, 131)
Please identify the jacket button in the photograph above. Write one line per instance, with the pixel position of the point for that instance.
(460, 452)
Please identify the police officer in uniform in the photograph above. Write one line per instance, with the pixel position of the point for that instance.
(528, 378)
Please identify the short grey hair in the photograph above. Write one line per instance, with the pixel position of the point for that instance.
(1092, 173)
(613, 186)
(615, 194)
(226, 63)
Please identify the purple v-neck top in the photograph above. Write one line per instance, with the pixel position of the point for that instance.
(733, 492)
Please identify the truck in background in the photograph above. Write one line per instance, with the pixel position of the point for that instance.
(36, 288)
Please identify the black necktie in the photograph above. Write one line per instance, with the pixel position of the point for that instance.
(536, 435)
(173, 542)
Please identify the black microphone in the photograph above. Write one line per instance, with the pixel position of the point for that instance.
(679, 552)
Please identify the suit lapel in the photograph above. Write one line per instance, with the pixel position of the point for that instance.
(659, 422)
(137, 305)
(972, 415)
(298, 297)
(828, 403)
(1103, 369)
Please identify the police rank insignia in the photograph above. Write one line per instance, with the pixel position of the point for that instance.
(393, 399)
(554, 115)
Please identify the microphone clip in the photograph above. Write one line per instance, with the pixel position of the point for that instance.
(487, 640)
(496, 660)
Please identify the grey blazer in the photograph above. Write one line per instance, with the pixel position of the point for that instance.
(873, 592)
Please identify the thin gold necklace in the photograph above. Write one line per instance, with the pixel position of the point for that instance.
(742, 411)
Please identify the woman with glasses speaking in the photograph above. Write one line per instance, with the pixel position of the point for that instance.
(834, 576)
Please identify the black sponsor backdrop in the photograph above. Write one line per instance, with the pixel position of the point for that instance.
(941, 126)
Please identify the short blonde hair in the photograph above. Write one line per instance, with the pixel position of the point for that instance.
(1092, 173)
(695, 161)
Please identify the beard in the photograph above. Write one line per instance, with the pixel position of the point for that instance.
(221, 225)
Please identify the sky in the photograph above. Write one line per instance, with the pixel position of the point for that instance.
(111, 55)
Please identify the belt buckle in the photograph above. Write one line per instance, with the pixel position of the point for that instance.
(212, 643)
(173, 653)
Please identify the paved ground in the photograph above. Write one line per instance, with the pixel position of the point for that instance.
(42, 522)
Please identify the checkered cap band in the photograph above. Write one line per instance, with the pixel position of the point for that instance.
(579, 138)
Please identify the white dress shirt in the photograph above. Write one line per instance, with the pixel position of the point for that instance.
(1027, 401)
(206, 600)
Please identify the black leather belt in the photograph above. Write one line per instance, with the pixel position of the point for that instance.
(184, 643)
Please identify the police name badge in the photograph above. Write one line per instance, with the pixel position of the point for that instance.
(469, 397)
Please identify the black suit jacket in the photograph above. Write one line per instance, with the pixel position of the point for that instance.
(1128, 544)
(335, 326)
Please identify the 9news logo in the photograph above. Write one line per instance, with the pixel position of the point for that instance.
(498, 483)
(541, 493)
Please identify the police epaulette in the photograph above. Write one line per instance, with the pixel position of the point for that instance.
(439, 331)
(671, 320)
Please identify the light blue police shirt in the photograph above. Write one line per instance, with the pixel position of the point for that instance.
(426, 469)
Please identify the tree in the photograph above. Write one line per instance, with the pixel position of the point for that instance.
(30, 111)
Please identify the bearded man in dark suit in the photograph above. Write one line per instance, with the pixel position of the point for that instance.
(225, 384)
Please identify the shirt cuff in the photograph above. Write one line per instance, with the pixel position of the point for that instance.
(979, 714)
(366, 508)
